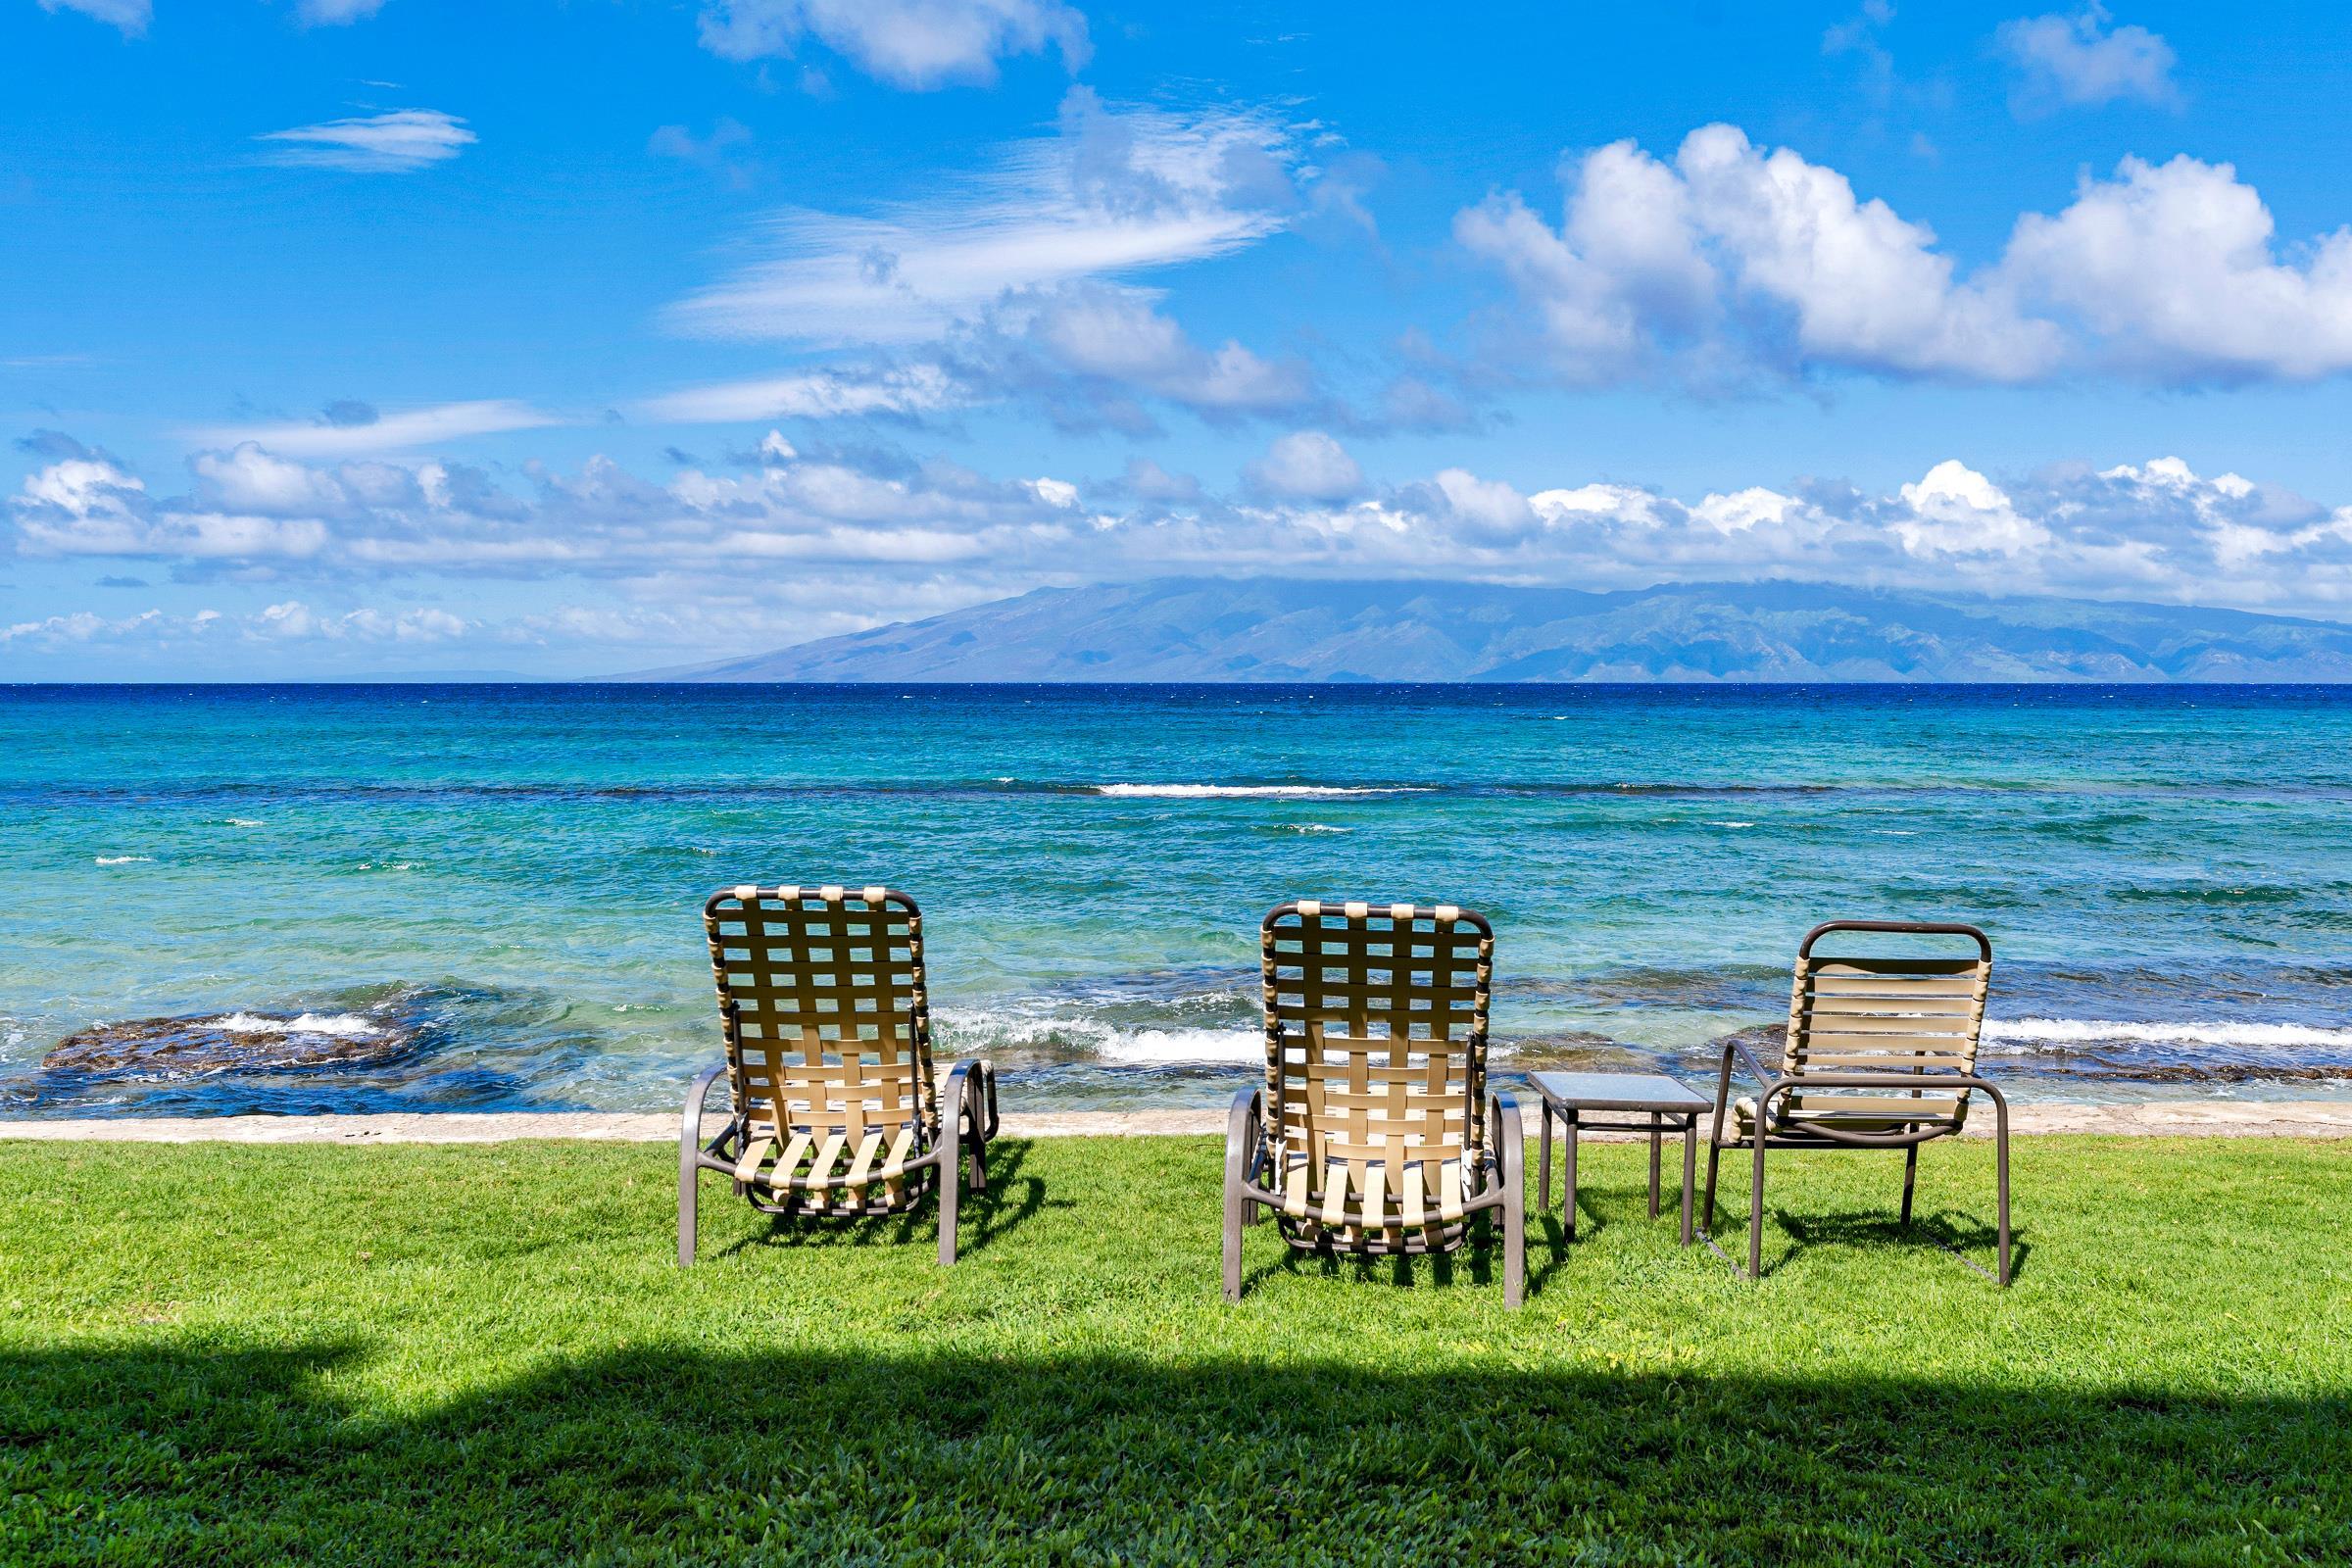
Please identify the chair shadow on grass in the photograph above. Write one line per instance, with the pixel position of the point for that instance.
(1010, 1199)
(1476, 1261)
(1957, 1232)
(855, 1450)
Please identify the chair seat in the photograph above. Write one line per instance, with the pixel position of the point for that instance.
(819, 1161)
(1376, 1196)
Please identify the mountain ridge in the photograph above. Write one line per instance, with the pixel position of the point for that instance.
(1175, 629)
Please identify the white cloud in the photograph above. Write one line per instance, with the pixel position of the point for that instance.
(2172, 267)
(1955, 511)
(1114, 193)
(130, 16)
(2079, 59)
(1308, 465)
(867, 534)
(919, 44)
(1733, 262)
(1652, 257)
(1117, 336)
(335, 13)
(390, 432)
(819, 394)
(394, 143)
(250, 479)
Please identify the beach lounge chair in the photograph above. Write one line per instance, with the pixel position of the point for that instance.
(828, 1031)
(1373, 1133)
(1881, 1053)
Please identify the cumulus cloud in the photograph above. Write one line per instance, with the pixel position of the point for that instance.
(2080, 59)
(288, 621)
(1306, 464)
(2173, 267)
(1732, 263)
(918, 44)
(349, 426)
(130, 16)
(394, 143)
(848, 537)
(1114, 192)
(1729, 238)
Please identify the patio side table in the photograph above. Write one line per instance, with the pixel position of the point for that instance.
(1658, 1102)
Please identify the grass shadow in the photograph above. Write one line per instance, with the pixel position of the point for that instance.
(673, 1452)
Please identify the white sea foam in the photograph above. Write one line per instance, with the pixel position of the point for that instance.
(976, 1030)
(2112, 1031)
(1731, 824)
(1193, 792)
(126, 860)
(1316, 827)
(245, 821)
(1163, 1047)
(337, 1025)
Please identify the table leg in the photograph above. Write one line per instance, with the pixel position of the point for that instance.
(1568, 1224)
(1543, 1157)
(1690, 1170)
(1656, 1132)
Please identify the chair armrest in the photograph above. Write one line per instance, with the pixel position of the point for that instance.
(1735, 1045)
(690, 1125)
(1510, 1134)
(1243, 1142)
(972, 1093)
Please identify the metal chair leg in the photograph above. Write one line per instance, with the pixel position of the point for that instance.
(1755, 1214)
(1714, 1161)
(1656, 1132)
(1544, 1155)
(1910, 1180)
(2000, 1159)
(1511, 1167)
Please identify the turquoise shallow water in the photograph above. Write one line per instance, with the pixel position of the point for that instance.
(500, 886)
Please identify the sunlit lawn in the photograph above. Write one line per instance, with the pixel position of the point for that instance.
(229, 1354)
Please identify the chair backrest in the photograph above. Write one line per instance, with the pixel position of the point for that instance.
(1376, 1033)
(828, 1027)
(1910, 1013)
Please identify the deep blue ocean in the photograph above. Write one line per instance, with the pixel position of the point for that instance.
(488, 897)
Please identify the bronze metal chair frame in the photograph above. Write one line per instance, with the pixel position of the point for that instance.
(1775, 1086)
(1493, 1141)
(946, 1146)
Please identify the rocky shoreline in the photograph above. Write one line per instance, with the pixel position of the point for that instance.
(2223, 1118)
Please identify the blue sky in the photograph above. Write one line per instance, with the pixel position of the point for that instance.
(350, 337)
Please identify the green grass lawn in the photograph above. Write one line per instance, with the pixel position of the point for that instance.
(229, 1355)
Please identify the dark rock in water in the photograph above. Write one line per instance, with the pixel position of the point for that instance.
(1575, 1050)
(236, 1042)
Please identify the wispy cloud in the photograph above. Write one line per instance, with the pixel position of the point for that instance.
(351, 428)
(335, 13)
(394, 143)
(1115, 192)
(2081, 59)
(130, 16)
(820, 394)
(919, 44)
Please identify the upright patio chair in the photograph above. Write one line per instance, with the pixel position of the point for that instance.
(1373, 1133)
(836, 1113)
(1881, 1053)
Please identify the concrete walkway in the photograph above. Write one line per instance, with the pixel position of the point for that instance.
(2312, 1119)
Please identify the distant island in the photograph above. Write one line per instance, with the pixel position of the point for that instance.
(1273, 630)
